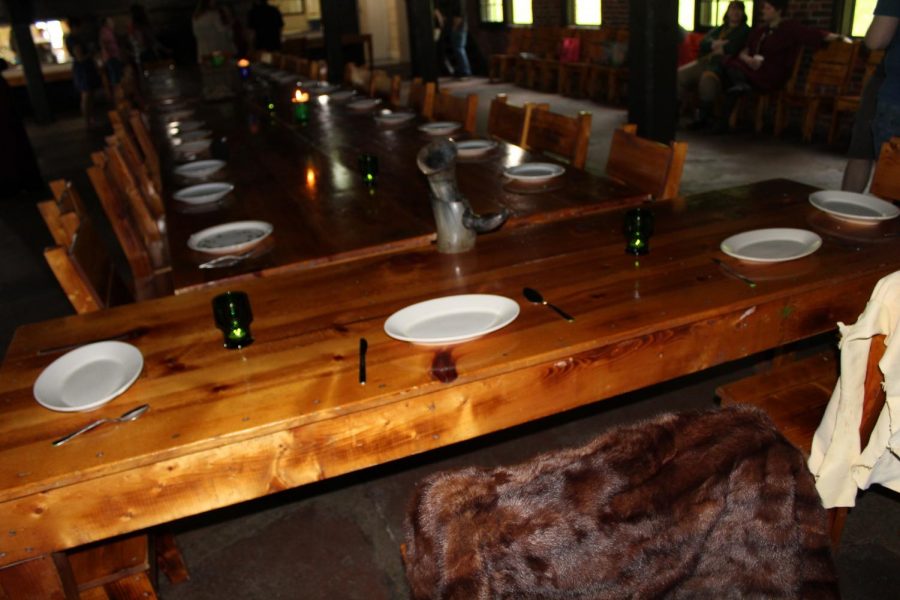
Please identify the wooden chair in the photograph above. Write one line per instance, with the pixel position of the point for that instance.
(886, 179)
(795, 396)
(547, 69)
(850, 104)
(421, 97)
(613, 72)
(385, 87)
(561, 135)
(594, 46)
(358, 78)
(544, 45)
(763, 101)
(148, 150)
(649, 166)
(147, 186)
(448, 107)
(827, 79)
(518, 38)
(146, 282)
(63, 213)
(510, 123)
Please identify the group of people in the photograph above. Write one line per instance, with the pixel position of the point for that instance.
(735, 60)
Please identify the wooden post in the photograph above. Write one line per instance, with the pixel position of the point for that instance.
(20, 15)
(338, 17)
(422, 49)
(652, 67)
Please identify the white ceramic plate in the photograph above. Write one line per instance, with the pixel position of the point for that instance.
(88, 377)
(191, 148)
(848, 206)
(771, 245)
(177, 115)
(342, 96)
(440, 127)
(230, 237)
(470, 148)
(203, 193)
(199, 168)
(451, 318)
(535, 172)
(394, 118)
(365, 104)
(320, 88)
(177, 127)
(191, 136)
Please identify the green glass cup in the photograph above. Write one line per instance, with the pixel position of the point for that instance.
(638, 229)
(368, 166)
(233, 316)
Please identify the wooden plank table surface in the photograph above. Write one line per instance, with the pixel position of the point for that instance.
(305, 180)
(228, 426)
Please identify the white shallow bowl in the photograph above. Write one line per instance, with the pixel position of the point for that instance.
(364, 105)
(535, 172)
(440, 127)
(342, 95)
(176, 127)
(771, 245)
(230, 237)
(451, 319)
(88, 377)
(394, 118)
(193, 147)
(203, 193)
(199, 169)
(190, 136)
(857, 208)
(472, 148)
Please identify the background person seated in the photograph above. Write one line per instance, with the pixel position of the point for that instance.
(704, 74)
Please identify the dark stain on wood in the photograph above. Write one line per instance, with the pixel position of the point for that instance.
(443, 367)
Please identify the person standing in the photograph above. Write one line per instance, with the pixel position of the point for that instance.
(451, 14)
(212, 31)
(81, 47)
(265, 23)
(111, 55)
(882, 35)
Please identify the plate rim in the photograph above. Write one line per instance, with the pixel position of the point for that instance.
(210, 162)
(815, 199)
(514, 307)
(553, 166)
(134, 352)
(439, 126)
(811, 248)
(192, 240)
(224, 188)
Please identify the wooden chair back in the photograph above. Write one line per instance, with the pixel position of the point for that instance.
(831, 68)
(510, 123)
(647, 165)
(463, 109)
(358, 78)
(558, 134)
(148, 150)
(545, 43)
(385, 87)
(63, 213)
(421, 97)
(517, 39)
(886, 179)
(317, 70)
(85, 271)
(147, 186)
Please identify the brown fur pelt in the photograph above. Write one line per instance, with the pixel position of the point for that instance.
(712, 504)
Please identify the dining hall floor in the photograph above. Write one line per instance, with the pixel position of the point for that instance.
(339, 539)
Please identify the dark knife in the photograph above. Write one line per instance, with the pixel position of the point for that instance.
(363, 348)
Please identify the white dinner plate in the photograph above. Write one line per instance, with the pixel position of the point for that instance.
(771, 245)
(194, 147)
(190, 136)
(203, 193)
(342, 96)
(364, 104)
(394, 118)
(470, 148)
(319, 88)
(451, 318)
(440, 127)
(177, 127)
(88, 377)
(230, 237)
(177, 115)
(535, 172)
(848, 206)
(199, 168)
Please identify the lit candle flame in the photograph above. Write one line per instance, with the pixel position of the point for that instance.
(310, 178)
(300, 96)
(243, 63)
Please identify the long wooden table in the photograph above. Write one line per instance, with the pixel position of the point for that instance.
(305, 180)
(227, 426)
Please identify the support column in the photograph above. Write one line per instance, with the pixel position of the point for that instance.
(338, 17)
(20, 15)
(652, 67)
(422, 49)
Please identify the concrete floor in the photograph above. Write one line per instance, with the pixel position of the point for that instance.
(340, 538)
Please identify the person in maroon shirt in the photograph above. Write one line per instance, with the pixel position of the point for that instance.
(766, 62)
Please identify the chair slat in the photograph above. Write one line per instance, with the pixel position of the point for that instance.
(649, 166)
(558, 134)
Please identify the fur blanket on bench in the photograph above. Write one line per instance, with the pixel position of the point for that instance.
(712, 504)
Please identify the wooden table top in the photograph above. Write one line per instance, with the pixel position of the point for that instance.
(226, 426)
(305, 180)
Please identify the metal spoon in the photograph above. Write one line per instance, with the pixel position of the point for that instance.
(535, 296)
(131, 415)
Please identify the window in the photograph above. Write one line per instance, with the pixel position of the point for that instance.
(686, 14)
(587, 12)
(521, 12)
(862, 17)
(289, 7)
(492, 11)
(707, 13)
